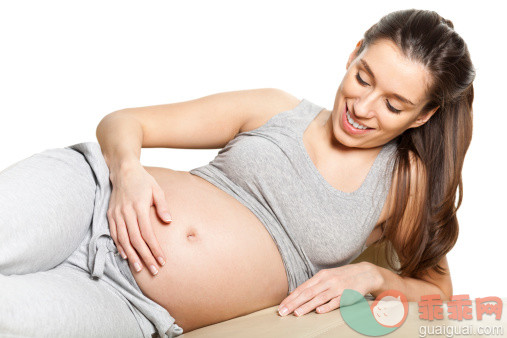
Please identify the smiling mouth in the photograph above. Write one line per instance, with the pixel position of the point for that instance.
(353, 123)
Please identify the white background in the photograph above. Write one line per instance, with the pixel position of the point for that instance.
(66, 64)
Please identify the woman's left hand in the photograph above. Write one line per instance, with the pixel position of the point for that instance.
(323, 291)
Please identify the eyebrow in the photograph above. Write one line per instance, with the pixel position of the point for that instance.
(399, 97)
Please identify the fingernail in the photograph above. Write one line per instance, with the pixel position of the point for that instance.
(123, 254)
(297, 313)
(166, 217)
(137, 266)
(153, 269)
(161, 261)
(282, 311)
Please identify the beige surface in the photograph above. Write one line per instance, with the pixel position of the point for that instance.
(267, 322)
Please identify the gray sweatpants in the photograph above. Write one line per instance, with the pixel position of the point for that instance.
(60, 272)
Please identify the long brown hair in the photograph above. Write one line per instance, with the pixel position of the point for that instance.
(436, 149)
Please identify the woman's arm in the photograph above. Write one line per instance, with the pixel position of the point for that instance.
(322, 292)
(412, 288)
(206, 123)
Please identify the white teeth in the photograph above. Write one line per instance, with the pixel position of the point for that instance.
(352, 122)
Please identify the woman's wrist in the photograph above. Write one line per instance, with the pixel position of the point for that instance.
(123, 167)
(120, 138)
(376, 277)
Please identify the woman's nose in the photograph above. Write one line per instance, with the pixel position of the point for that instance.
(364, 107)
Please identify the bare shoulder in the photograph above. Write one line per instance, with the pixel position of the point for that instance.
(264, 104)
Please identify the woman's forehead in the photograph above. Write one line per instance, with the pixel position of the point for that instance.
(394, 72)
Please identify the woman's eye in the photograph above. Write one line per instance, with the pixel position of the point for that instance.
(361, 82)
(364, 83)
(391, 108)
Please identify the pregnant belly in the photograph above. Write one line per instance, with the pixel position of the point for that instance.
(221, 261)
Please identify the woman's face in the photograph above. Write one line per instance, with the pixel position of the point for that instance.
(383, 91)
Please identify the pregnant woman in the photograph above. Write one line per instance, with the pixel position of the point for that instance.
(294, 195)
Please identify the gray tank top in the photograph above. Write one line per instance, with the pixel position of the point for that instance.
(314, 225)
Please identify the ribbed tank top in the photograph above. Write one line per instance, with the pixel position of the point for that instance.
(314, 225)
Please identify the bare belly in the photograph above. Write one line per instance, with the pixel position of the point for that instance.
(221, 261)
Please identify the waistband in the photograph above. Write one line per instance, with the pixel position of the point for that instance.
(101, 243)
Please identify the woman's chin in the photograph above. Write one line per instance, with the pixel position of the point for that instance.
(342, 139)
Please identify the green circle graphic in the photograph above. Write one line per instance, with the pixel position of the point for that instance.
(356, 312)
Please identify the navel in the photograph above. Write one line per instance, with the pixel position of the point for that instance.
(191, 235)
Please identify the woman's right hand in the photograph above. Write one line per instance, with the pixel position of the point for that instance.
(134, 192)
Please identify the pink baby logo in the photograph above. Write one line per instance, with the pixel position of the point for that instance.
(387, 313)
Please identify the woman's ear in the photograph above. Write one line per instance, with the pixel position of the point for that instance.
(353, 55)
(424, 118)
